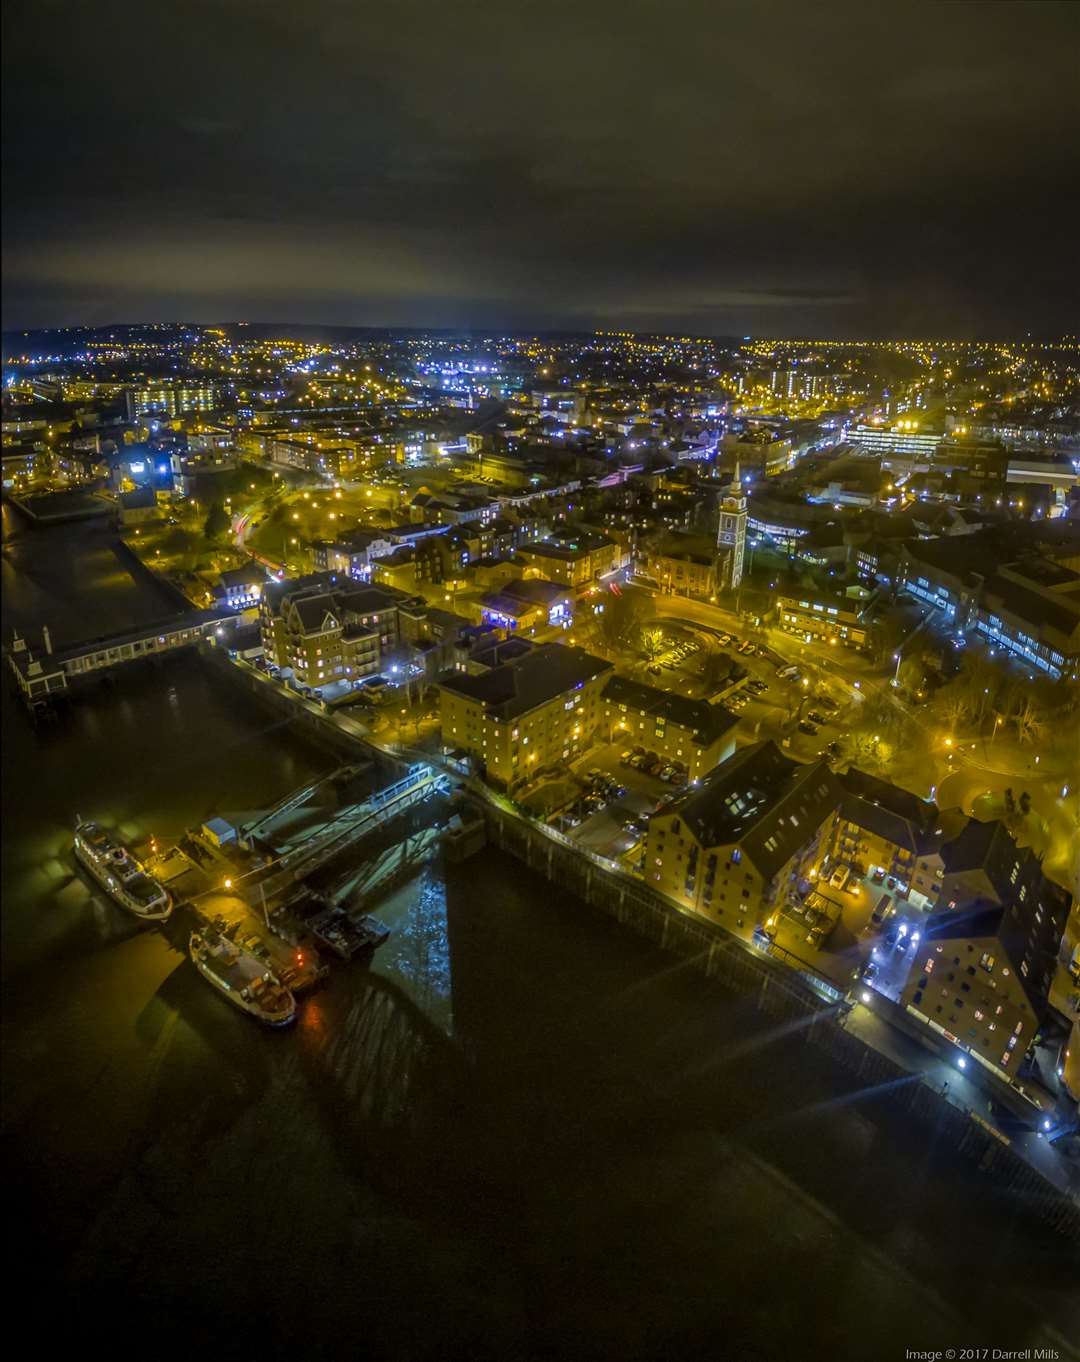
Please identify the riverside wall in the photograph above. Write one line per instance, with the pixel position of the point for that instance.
(722, 957)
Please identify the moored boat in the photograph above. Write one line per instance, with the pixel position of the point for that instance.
(118, 872)
(241, 977)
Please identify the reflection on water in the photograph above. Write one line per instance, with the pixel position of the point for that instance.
(517, 1123)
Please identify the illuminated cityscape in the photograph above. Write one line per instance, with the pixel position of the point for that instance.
(618, 754)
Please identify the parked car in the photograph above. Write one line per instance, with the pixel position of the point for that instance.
(748, 648)
(806, 727)
(654, 670)
(838, 878)
(724, 640)
(624, 760)
(816, 718)
(870, 969)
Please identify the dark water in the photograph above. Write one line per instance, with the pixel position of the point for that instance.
(523, 1134)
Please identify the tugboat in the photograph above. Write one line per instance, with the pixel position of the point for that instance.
(242, 977)
(120, 874)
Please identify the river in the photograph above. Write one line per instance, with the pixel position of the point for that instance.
(522, 1133)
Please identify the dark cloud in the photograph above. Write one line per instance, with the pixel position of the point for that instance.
(838, 169)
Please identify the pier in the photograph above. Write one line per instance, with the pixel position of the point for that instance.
(45, 672)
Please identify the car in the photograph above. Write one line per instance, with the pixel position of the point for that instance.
(654, 670)
(667, 774)
(833, 749)
(892, 934)
(838, 878)
(890, 883)
(816, 718)
(788, 673)
(869, 970)
(624, 760)
(724, 640)
(878, 876)
(806, 727)
(748, 648)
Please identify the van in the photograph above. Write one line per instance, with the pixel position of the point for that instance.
(882, 911)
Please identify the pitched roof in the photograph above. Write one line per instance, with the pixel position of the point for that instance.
(895, 814)
(537, 677)
(706, 722)
(767, 802)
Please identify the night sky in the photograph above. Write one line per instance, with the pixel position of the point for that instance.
(811, 169)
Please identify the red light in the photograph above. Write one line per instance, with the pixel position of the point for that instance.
(299, 957)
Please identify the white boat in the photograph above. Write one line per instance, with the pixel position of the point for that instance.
(121, 876)
(242, 977)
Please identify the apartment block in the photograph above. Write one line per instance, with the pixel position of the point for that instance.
(734, 847)
(693, 732)
(524, 715)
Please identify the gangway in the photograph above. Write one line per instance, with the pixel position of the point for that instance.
(293, 800)
(361, 819)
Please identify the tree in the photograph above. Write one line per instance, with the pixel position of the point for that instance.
(652, 642)
(715, 668)
(623, 618)
(217, 521)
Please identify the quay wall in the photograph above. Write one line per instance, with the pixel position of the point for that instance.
(167, 591)
(307, 719)
(44, 518)
(722, 957)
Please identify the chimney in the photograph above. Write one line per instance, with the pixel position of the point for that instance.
(46, 639)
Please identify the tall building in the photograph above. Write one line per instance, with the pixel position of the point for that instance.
(318, 629)
(527, 714)
(169, 400)
(736, 846)
(732, 532)
(986, 959)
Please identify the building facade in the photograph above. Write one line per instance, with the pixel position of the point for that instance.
(697, 735)
(529, 714)
(736, 846)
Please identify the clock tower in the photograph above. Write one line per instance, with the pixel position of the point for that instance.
(732, 534)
